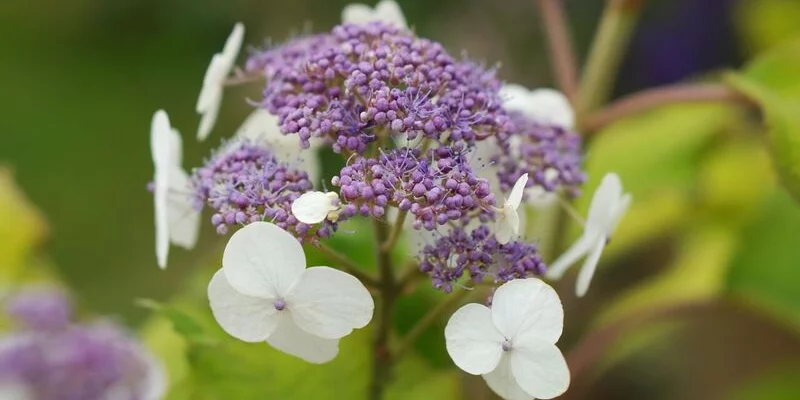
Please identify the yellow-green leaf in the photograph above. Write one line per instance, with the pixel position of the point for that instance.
(22, 226)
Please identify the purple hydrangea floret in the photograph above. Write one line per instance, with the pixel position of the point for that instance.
(478, 254)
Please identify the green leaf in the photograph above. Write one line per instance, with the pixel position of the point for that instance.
(656, 155)
(778, 384)
(773, 82)
(184, 324)
(22, 227)
(765, 23)
(765, 269)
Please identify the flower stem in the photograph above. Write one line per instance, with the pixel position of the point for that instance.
(348, 266)
(652, 98)
(388, 289)
(562, 56)
(607, 50)
(428, 319)
(388, 245)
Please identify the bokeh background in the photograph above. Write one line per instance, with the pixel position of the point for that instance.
(699, 297)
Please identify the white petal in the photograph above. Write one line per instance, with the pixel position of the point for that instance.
(289, 338)
(551, 107)
(232, 46)
(159, 133)
(261, 126)
(184, 220)
(557, 268)
(313, 207)
(618, 213)
(588, 268)
(389, 11)
(515, 197)
(209, 115)
(540, 198)
(357, 14)
(502, 382)
(604, 203)
(527, 307)
(247, 318)
(212, 81)
(329, 303)
(473, 342)
(160, 142)
(263, 260)
(516, 98)
(539, 368)
(176, 145)
(503, 230)
(156, 381)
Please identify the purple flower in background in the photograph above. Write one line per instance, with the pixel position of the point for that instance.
(43, 308)
(51, 359)
(478, 254)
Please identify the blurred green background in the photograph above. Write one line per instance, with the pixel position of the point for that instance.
(700, 290)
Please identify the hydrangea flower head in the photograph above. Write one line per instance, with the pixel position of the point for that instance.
(264, 292)
(512, 344)
(608, 206)
(376, 79)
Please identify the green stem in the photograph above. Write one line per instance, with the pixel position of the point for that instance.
(607, 50)
(388, 245)
(387, 285)
(562, 56)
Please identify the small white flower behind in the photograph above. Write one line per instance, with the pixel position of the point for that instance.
(264, 292)
(546, 106)
(512, 344)
(608, 206)
(314, 207)
(385, 11)
(210, 98)
(507, 225)
(176, 219)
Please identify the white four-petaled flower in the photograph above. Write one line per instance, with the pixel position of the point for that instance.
(210, 98)
(512, 345)
(176, 219)
(608, 206)
(313, 207)
(385, 11)
(264, 292)
(507, 225)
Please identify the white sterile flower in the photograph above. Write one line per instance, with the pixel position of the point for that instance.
(314, 207)
(264, 292)
(512, 345)
(540, 198)
(507, 224)
(176, 219)
(385, 11)
(214, 80)
(262, 127)
(608, 206)
(546, 106)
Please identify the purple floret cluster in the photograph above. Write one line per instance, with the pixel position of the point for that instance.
(478, 254)
(435, 189)
(535, 149)
(373, 80)
(244, 183)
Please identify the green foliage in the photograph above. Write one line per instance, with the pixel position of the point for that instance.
(765, 270)
(772, 81)
(765, 23)
(779, 384)
(21, 226)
